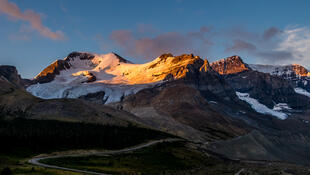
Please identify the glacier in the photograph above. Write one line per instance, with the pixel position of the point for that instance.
(260, 108)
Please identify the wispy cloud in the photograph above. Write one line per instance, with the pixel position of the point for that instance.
(13, 11)
(296, 41)
(263, 46)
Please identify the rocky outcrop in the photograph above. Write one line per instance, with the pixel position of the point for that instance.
(229, 65)
(10, 74)
(96, 97)
(49, 73)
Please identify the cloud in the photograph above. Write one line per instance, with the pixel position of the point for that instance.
(13, 11)
(271, 32)
(274, 56)
(296, 41)
(264, 47)
(240, 45)
(170, 42)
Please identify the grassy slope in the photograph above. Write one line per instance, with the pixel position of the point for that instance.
(166, 157)
(172, 158)
(22, 139)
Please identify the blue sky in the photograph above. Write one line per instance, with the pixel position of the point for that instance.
(261, 31)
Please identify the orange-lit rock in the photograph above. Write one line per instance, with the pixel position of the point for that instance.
(230, 65)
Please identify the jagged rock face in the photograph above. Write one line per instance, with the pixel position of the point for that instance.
(296, 74)
(230, 65)
(293, 71)
(10, 74)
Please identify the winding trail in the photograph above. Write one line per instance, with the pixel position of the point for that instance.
(36, 160)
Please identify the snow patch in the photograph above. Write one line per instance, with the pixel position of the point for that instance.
(302, 92)
(281, 107)
(260, 108)
(214, 102)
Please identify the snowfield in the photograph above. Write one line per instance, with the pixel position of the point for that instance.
(261, 108)
(113, 92)
(116, 77)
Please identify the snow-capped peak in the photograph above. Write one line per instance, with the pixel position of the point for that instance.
(81, 73)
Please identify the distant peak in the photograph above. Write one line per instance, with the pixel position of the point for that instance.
(229, 59)
(286, 71)
(165, 56)
(230, 65)
(81, 55)
(175, 59)
(300, 70)
(121, 59)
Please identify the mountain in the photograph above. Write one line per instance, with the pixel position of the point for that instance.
(80, 74)
(223, 102)
(109, 78)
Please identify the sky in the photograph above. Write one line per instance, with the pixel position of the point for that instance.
(35, 33)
